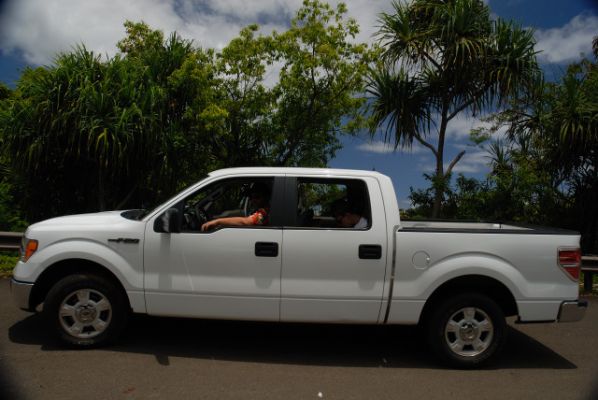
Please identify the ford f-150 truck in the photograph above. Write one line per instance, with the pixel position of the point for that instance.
(457, 280)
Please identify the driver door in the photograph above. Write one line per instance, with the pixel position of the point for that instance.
(229, 273)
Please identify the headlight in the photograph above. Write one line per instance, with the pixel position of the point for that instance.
(28, 247)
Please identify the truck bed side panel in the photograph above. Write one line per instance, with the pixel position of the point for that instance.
(525, 264)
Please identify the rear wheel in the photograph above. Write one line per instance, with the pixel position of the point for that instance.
(467, 330)
(85, 310)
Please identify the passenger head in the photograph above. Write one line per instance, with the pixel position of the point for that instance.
(259, 195)
(345, 216)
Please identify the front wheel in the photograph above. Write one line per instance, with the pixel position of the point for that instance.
(466, 330)
(85, 310)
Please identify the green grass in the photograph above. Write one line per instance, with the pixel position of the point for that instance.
(595, 282)
(7, 263)
(594, 278)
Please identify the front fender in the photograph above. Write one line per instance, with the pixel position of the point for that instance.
(127, 267)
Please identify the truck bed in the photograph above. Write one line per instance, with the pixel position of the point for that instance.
(429, 253)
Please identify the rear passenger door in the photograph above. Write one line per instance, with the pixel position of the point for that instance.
(332, 273)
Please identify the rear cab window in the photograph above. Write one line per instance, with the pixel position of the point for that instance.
(332, 204)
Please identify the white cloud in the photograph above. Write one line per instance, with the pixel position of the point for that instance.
(569, 41)
(461, 126)
(381, 147)
(41, 28)
(473, 162)
(376, 147)
(405, 204)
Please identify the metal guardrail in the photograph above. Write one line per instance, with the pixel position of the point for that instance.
(10, 241)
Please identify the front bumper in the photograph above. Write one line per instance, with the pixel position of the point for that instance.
(20, 293)
(572, 311)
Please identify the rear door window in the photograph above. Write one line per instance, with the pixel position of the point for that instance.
(332, 203)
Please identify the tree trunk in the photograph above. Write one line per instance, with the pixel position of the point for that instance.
(439, 180)
(438, 189)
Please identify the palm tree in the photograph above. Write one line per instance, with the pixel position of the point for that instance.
(442, 58)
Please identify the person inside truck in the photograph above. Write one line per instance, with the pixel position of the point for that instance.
(348, 216)
(259, 200)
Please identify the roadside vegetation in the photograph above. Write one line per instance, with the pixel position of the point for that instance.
(89, 133)
(7, 263)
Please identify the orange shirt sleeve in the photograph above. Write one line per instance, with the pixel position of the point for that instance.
(260, 217)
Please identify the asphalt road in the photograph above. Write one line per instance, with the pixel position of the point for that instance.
(166, 358)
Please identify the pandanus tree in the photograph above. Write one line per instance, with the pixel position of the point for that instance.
(443, 58)
(102, 134)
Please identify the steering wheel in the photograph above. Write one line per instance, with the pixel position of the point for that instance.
(190, 220)
(202, 215)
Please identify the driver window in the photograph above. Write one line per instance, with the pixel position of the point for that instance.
(225, 199)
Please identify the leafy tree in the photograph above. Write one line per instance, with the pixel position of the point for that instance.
(322, 74)
(241, 116)
(294, 120)
(441, 59)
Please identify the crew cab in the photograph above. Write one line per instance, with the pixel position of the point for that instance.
(457, 280)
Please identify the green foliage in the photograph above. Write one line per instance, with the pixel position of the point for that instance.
(5, 92)
(440, 59)
(516, 190)
(141, 40)
(322, 71)
(7, 263)
(10, 213)
(11, 216)
(89, 133)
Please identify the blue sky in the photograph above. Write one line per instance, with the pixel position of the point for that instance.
(32, 31)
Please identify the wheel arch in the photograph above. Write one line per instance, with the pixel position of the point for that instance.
(484, 285)
(64, 268)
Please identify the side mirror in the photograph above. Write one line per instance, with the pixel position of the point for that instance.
(168, 222)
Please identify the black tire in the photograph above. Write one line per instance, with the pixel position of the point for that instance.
(94, 310)
(466, 331)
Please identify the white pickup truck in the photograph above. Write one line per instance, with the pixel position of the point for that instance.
(457, 280)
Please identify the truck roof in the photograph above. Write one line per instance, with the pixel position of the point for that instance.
(295, 171)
